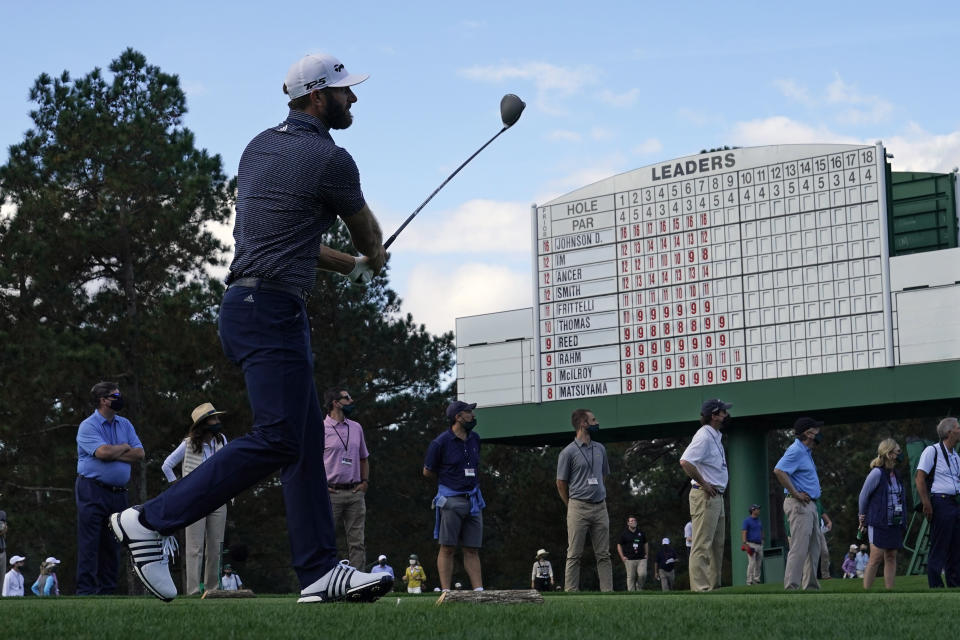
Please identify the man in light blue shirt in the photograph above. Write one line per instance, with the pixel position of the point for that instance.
(797, 473)
(107, 444)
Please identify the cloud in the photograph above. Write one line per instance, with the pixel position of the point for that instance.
(480, 225)
(553, 83)
(620, 100)
(782, 130)
(437, 297)
(650, 145)
(697, 117)
(601, 133)
(864, 109)
(580, 177)
(561, 135)
(791, 89)
(919, 150)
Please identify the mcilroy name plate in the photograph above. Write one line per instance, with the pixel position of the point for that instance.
(730, 266)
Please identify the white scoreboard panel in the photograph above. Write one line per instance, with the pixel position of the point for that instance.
(732, 266)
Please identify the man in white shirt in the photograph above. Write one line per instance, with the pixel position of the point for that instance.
(13, 581)
(941, 503)
(706, 463)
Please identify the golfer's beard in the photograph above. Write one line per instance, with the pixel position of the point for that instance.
(337, 116)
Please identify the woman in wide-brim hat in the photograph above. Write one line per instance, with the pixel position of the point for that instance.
(203, 440)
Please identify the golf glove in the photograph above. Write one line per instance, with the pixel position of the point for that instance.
(362, 274)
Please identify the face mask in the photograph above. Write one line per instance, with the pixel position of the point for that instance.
(214, 428)
(413, 563)
(899, 458)
(383, 562)
(726, 420)
(469, 426)
(817, 439)
(593, 429)
(348, 410)
(116, 403)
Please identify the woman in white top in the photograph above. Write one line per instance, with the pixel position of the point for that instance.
(203, 440)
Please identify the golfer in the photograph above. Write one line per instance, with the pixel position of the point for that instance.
(292, 184)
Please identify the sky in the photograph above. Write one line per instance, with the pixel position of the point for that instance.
(609, 86)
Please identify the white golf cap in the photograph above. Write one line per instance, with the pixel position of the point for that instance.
(853, 547)
(381, 557)
(665, 541)
(16, 559)
(52, 560)
(318, 71)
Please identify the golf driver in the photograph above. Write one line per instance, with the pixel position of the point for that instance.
(510, 109)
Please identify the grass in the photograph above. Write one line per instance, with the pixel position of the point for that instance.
(840, 610)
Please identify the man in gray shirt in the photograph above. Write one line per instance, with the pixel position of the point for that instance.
(581, 469)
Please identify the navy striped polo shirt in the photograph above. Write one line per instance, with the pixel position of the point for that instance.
(292, 183)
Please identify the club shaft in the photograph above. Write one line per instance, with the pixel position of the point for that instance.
(410, 218)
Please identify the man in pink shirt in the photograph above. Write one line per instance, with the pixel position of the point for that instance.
(345, 459)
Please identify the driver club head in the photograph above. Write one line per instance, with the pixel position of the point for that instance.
(510, 109)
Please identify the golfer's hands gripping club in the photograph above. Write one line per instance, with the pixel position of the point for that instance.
(362, 273)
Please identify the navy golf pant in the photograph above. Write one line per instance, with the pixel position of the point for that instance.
(267, 333)
(944, 553)
(98, 553)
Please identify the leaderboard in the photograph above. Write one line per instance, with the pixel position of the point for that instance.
(746, 264)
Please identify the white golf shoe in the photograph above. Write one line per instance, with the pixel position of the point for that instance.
(343, 582)
(149, 551)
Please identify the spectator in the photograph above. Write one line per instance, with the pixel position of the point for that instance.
(688, 536)
(46, 583)
(849, 565)
(751, 533)
(634, 549)
(453, 459)
(13, 580)
(939, 489)
(346, 460)
(3, 538)
(382, 566)
(863, 557)
(882, 509)
(415, 576)
(541, 578)
(664, 569)
(706, 463)
(582, 468)
(826, 526)
(107, 446)
(230, 581)
(797, 473)
(204, 537)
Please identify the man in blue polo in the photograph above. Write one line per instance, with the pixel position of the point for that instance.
(453, 459)
(292, 184)
(107, 445)
(797, 473)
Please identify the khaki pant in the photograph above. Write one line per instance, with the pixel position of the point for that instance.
(583, 518)
(666, 579)
(349, 513)
(636, 574)
(709, 533)
(202, 541)
(754, 563)
(804, 544)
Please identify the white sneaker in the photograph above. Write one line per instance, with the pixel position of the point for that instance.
(343, 582)
(149, 551)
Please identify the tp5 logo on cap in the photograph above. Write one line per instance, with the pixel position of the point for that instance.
(318, 71)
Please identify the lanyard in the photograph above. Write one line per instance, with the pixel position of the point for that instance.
(346, 445)
(589, 462)
(953, 474)
(716, 441)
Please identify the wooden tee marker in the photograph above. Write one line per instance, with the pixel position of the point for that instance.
(223, 593)
(506, 596)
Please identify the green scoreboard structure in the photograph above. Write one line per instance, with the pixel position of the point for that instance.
(787, 280)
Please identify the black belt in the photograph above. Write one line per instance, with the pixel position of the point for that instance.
(945, 496)
(108, 487)
(342, 485)
(270, 285)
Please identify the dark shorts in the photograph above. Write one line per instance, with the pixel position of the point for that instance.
(457, 526)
